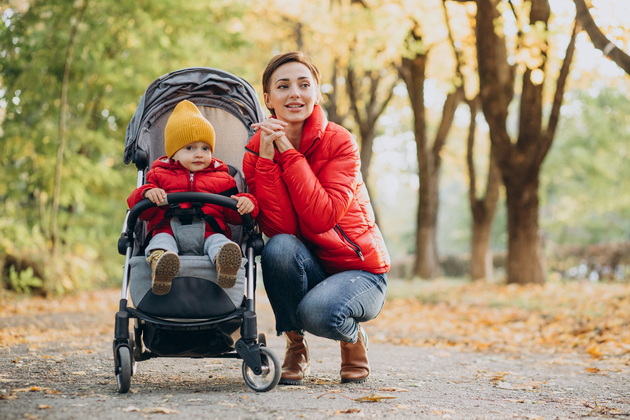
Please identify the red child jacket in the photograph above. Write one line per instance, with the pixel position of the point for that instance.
(172, 177)
(318, 194)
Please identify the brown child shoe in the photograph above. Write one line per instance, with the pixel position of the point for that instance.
(228, 262)
(164, 266)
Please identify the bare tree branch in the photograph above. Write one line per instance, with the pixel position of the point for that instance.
(554, 116)
(600, 41)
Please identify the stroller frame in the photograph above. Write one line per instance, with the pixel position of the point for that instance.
(261, 368)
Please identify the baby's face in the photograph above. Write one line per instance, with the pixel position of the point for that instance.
(194, 156)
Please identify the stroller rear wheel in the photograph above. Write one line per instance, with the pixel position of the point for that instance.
(123, 368)
(270, 375)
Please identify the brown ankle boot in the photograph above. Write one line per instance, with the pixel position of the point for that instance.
(354, 360)
(296, 361)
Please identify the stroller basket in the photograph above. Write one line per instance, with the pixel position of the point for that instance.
(187, 338)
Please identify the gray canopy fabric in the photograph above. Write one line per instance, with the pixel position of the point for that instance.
(204, 86)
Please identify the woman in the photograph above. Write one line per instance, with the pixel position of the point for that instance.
(325, 264)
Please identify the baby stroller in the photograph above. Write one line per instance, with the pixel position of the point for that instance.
(197, 318)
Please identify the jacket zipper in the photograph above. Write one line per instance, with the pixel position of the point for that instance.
(356, 248)
(192, 182)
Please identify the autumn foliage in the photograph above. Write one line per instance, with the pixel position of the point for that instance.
(588, 318)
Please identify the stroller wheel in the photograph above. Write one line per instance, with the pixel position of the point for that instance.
(270, 375)
(123, 369)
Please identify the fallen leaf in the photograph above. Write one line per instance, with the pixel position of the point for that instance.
(498, 376)
(594, 351)
(159, 410)
(442, 412)
(593, 370)
(527, 386)
(374, 398)
(348, 411)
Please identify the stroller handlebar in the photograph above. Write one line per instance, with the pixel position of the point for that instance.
(186, 197)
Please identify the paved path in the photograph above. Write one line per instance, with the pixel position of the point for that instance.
(65, 371)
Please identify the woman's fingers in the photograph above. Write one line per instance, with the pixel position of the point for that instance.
(272, 124)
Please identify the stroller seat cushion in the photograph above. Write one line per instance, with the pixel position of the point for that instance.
(194, 292)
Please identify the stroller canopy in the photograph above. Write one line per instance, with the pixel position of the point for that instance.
(205, 87)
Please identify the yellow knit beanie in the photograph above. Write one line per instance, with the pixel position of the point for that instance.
(186, 125)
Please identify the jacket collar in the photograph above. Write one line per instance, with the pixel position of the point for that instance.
(314, 128)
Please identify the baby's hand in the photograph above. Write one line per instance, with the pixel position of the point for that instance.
(156, 195)
(244, 205)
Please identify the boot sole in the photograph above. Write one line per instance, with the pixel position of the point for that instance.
(286, 381)
(229, 261)
(290, 382)
(354, 381)
(166, 268)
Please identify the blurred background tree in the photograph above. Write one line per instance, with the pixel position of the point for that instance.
(71, 75)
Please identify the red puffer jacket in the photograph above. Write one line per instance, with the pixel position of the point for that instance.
(172, 177)
(317, 194)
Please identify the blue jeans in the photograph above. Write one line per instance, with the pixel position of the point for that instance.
(304, 298)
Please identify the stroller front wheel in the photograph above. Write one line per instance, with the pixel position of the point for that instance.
(270, 375)
(123, 369)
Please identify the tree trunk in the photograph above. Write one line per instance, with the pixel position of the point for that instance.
(525, 259)
(482, 209)
(331, 101)
(374, 101)
(429, 162)
(427, 264)
(520, 160)
(480, 253)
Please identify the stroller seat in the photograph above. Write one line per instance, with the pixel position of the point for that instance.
(194, 293)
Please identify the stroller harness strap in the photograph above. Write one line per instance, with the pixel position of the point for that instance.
(186, 215)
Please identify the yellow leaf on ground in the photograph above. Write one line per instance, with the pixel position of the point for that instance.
(373, 398)
(594, 351)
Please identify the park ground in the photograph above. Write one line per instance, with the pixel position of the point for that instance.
(442, 349)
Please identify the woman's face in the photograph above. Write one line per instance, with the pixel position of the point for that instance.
(292, 92)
